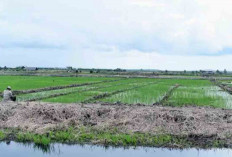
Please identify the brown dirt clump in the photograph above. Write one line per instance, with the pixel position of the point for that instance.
(190, 121)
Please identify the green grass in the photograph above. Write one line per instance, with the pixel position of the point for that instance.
(190, 92)
(2, 135)
(72, 98)
(25, 97)
(30, 137)
(33, 82)
(90, 135)
(113, 137)
(200, 93)
(75, 92)
(145, 95)
(104, 88)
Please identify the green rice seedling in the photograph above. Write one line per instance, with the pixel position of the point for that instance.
(30, 137)
(202, 93)
(112, 91)
(64, 136)
(66, 91)
(41, 140)
(34, 82)
(38, 95)
(24, 137)
(2, 135)
(145, 95)
(190, 92)
(104, 88)
(110, 137)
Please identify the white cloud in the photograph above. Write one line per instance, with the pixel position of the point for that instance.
(147, 3)
(137, 60)
(127, 30)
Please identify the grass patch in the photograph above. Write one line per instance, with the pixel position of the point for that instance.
(190, 92)
(109, 87)
(34, 82)
(109, 137)
(200, 95)
(30, 137)
(2, 135)
(145, 95)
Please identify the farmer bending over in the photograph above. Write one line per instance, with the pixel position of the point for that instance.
(7, 95)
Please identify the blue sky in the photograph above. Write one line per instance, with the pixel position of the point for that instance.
(151, 34)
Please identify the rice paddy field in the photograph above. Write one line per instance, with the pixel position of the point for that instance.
(148, 91)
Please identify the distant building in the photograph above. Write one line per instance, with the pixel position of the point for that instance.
(207, 73)
(31, 68)
(119, 70)
(69, 68)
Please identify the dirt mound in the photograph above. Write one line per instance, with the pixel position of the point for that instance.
(192, 121)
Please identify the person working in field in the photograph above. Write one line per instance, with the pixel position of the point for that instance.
(8, 95)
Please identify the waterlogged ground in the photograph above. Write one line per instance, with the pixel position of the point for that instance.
(221, 96)
(58, 150)
(206, 94)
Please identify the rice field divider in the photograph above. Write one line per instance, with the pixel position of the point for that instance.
(104, 95)
(70, 92)
(224, 87)
(167, 95)
(59, 87)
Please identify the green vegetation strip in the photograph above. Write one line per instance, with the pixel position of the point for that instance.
(113, 137)
(64, 90)
(104, 95)
(199, 93)
(223, 86)
(67, 93)
(36, 82)
(61, 87)
(167, 95)
(145, 95)
(80, 97)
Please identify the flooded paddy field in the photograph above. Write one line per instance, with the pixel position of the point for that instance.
(114, 111)
(149, 91)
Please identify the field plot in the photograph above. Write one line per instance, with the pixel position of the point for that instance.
(120, 90)
(34, 82)
(145, 95)
(200, 93)
(99, 89)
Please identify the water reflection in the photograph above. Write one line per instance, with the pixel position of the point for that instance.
(60, 150)
(43, 148)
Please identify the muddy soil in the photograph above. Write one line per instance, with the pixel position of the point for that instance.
(191, 121)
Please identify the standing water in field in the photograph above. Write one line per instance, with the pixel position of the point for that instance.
(221, 96)
(59, 150)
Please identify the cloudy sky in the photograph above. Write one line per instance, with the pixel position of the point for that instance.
(149, 34)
